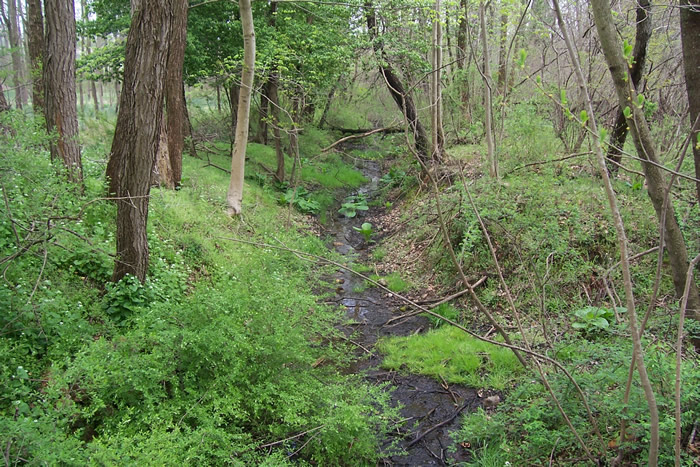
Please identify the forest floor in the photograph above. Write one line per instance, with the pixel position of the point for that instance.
(429, 408)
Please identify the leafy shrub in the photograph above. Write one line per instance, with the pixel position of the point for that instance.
(299, 198)
(594, 318)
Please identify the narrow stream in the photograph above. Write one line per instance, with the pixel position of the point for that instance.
(428, 406)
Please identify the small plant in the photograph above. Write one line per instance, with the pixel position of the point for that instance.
(594, 318)
(300, 199)
(394, 178)
(366, 231)
(353, 204)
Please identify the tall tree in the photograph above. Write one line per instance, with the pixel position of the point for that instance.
(11, 20)
(35, 19)
(136, 135)
(488, 95)
(639, 56)
(437, 134)
(690, 38)
(403, 100)
(59, 81)
(234, 197)
(646, 150)
(174, 97)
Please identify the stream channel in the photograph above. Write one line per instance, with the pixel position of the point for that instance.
(427, 406)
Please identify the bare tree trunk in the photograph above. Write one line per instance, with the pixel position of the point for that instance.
(396, 89)
(138, 128)
(59, 79)
(36, 52)
(264, 109)
(329, 99)
(436, 87)
(656, 186)
(4, 105)
(462, 35)
(174, 98)
(234, 196)
(188, 125)
(690, 38)
(502, 46)
(639, 55)
(488, 111)
(274, 114)
(162, 172)
(13, 32)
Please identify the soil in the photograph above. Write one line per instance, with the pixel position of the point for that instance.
(430, 410)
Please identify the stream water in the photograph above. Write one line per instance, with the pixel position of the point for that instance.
(427, 406)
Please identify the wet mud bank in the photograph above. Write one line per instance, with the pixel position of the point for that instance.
(430, 409)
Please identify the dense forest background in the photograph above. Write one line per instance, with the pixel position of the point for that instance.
(515, 183)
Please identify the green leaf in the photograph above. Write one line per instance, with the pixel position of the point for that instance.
(640, 100)
(584, 117)
(627, 112)
(522, 57)
(564, 101)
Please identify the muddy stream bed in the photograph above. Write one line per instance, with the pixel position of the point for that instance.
(430, 410)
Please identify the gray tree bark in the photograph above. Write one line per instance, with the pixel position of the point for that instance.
(174, 97)
(690, 39)
(11, 20)
(136, 135)
(59, 79)
(36, 53)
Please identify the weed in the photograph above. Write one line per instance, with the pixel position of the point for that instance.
(353, 204)
(366, 230)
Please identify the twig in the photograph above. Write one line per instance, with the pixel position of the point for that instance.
(447, 388)
(362, 135)
(357, 344)
(435, 305)
(298, 435)
(442, 423)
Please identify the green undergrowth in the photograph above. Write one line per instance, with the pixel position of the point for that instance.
(451, 354)
(527, 429)
(322, 175)
(223, 349)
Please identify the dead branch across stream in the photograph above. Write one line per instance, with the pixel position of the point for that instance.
(361, 133)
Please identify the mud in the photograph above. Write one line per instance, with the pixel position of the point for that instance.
(430, 410)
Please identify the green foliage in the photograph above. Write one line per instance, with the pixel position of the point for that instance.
(594, 318)
(445, 310)
(299, 198)
(211, 357)
(366, 230)
(394, 282)
(452, 354)
(352, 204)
(525, 429)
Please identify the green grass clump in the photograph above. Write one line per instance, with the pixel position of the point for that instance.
(394, 282)
(449, 353)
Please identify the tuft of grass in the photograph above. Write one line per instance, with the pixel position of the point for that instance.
(394, 282)
(450, 353)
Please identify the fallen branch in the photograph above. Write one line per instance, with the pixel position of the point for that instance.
(361, 135)
(442, 423)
